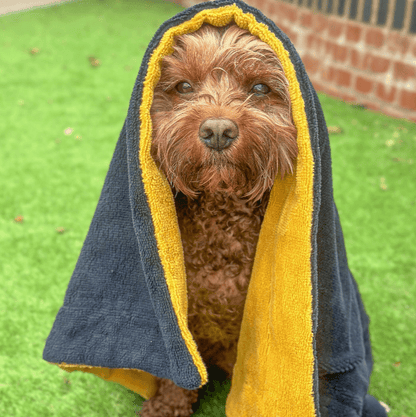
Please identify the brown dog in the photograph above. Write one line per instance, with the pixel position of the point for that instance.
(222, 132)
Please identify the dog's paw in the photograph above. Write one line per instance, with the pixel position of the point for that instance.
(155, 407)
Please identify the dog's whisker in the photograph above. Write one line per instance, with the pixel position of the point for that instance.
(244, 102)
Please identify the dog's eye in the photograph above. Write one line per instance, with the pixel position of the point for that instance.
(260, 89)
(184, 87)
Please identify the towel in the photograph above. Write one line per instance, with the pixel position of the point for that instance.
(304, 347)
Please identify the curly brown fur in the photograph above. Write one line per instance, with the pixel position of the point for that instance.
(222, 132)
(170, 401)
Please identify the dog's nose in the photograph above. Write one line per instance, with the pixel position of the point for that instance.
(218, 134)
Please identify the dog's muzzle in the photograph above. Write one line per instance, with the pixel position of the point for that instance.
(218, 134)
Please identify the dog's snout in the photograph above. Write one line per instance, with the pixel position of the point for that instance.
(218, 134)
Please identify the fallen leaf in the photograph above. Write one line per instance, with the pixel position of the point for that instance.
(334, 129)
(94, 61)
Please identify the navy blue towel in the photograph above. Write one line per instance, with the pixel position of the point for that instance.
(304, 347)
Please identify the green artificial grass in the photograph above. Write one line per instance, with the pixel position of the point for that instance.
(66, 75)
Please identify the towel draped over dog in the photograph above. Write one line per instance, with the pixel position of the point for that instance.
(304, 347)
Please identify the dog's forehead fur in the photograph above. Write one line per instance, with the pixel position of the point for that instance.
(223, 65)
(224, 51)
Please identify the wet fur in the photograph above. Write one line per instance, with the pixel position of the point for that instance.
(220, 196)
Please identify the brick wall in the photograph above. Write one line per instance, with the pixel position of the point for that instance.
(361, 63)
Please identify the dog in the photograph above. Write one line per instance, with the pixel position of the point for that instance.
(222, 131)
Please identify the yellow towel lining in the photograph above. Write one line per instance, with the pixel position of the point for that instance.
(291, 199)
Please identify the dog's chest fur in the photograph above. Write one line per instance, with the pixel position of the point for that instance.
(219, 236)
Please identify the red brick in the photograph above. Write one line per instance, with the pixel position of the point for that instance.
(403, 71)
(396, 42)
(343, 78)
(386, 93)
(366, 61)
(340, 53)
(360, 60)
(379, 64)
(408, 99)
(306, 19)
(311, 64)
(353, 32)
(292, 13)
(267, 7)
(328, 74)
(320, 23)
(335, 28)
(285, 10)
(374, 37)
(320, 44)
(325, 88)
(270, 10)
(315, 42)
(291, 34)
(310, 40)
(363, 85)
(284, 28)
(318, 86)
(331, 91)
(330, 48)
(347, 97)
(260, 4)
(355, 58)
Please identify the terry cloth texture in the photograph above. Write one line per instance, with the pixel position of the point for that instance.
(304, 347)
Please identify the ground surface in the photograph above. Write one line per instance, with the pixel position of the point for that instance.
(66, 75)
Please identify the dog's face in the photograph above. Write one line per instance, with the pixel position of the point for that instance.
(221, 114)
